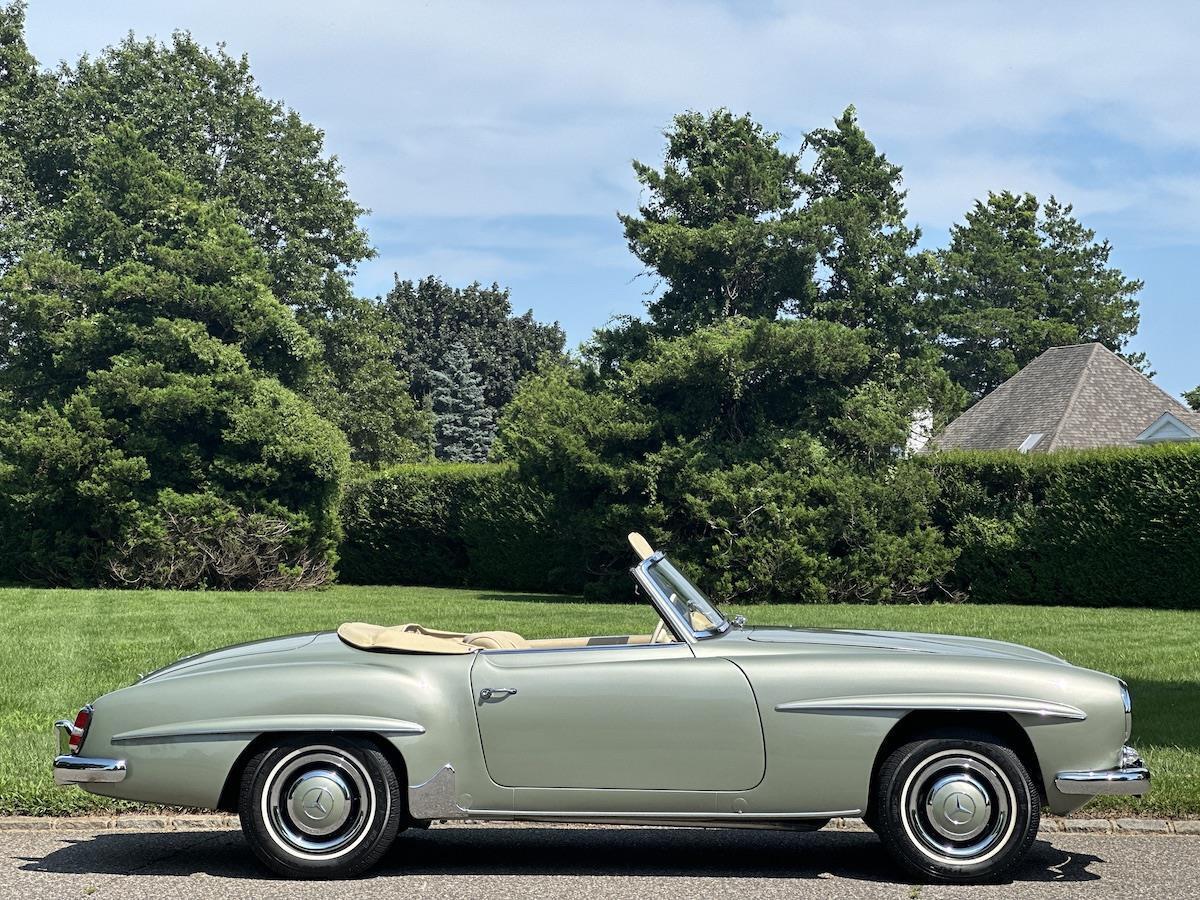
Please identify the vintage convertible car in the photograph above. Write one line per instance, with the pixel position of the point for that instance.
(330, 744)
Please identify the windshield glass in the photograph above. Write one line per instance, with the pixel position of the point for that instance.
(688, 600)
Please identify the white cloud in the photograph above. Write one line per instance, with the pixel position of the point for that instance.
(492, 140)
(479, 108)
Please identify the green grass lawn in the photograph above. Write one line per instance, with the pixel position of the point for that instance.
(60, 649)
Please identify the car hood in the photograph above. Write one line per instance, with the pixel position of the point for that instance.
(901, 641)
(232, 655)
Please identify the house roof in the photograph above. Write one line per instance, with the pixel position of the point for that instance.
(1076, 397)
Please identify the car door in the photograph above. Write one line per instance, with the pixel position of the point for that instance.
(648, 717)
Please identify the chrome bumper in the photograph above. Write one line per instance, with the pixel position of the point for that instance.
(1132, 778)
(84, 770)
(69, 769)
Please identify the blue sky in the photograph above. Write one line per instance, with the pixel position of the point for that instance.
(492, 140)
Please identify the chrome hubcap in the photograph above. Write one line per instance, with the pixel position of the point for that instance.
(318, 802)
(958, 807)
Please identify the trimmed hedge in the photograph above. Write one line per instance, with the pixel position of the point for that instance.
(454, 525)
(1114, 527)
(1092, 528)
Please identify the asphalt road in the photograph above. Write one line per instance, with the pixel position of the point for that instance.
(507, 861)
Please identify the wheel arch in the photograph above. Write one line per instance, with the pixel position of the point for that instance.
(934, 723)
(228, 801)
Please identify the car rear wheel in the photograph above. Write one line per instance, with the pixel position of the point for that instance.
(956, 809)
(320, 808)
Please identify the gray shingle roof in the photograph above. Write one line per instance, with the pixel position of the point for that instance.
(1077, 397)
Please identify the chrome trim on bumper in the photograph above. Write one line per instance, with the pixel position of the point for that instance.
(85, 770)
(72, 769)
(65, 729)
(1131, 779)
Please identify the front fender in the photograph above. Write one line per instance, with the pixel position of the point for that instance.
(832, 713)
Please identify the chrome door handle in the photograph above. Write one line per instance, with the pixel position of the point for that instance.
(495, 693)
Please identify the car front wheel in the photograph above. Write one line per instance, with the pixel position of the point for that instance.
(320, 808)
(956, 809)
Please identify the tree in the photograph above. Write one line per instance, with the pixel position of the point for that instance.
(762, 453)
(869, 274)
(357, 384)
(1192, 398)
(1020, 277)
(21, 86)
(201, 112)
(721, 227)
(464, 425)
(431, 317)
(148, 369)
(737, 226)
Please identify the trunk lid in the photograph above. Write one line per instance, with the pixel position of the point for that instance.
(228, 655)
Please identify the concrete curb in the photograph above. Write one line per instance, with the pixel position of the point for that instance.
(218, 822)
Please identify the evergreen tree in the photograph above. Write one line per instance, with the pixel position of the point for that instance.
(430, 317)
(464, 425)
(736, 226)
(1020, 277)
(150, 372)
(764, 452)
(721, 227)
(202, 113)
(359, 387)
(21, 86)
(1192, 398)
(869, 273)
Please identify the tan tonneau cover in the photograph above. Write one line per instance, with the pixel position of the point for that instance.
(410, 638)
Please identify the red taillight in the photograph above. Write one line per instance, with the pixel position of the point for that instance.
(82, 720)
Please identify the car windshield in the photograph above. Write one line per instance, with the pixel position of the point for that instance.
(688, 600)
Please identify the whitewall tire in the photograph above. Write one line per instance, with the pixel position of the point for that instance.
(956, 809)
(325, 807)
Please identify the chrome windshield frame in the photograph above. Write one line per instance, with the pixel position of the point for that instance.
(666, 609)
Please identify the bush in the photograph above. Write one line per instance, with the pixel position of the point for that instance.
(453, 525)
(761, 454)
(1094, 528)
(147, 367)
(1114, 527)
(199, 541)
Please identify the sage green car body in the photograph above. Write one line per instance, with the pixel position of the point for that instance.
(753, 726)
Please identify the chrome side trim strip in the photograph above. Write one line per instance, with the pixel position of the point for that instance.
(436, 798)
(662, 816)
(610, 647)
(87, 770)
(239, 727)
(1025, 706)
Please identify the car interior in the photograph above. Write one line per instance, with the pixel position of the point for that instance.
(414, 638)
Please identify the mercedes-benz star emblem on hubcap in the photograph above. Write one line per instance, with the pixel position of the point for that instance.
(316, 803)
(960, 809)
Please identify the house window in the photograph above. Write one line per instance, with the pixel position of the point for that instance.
(1030, 442)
